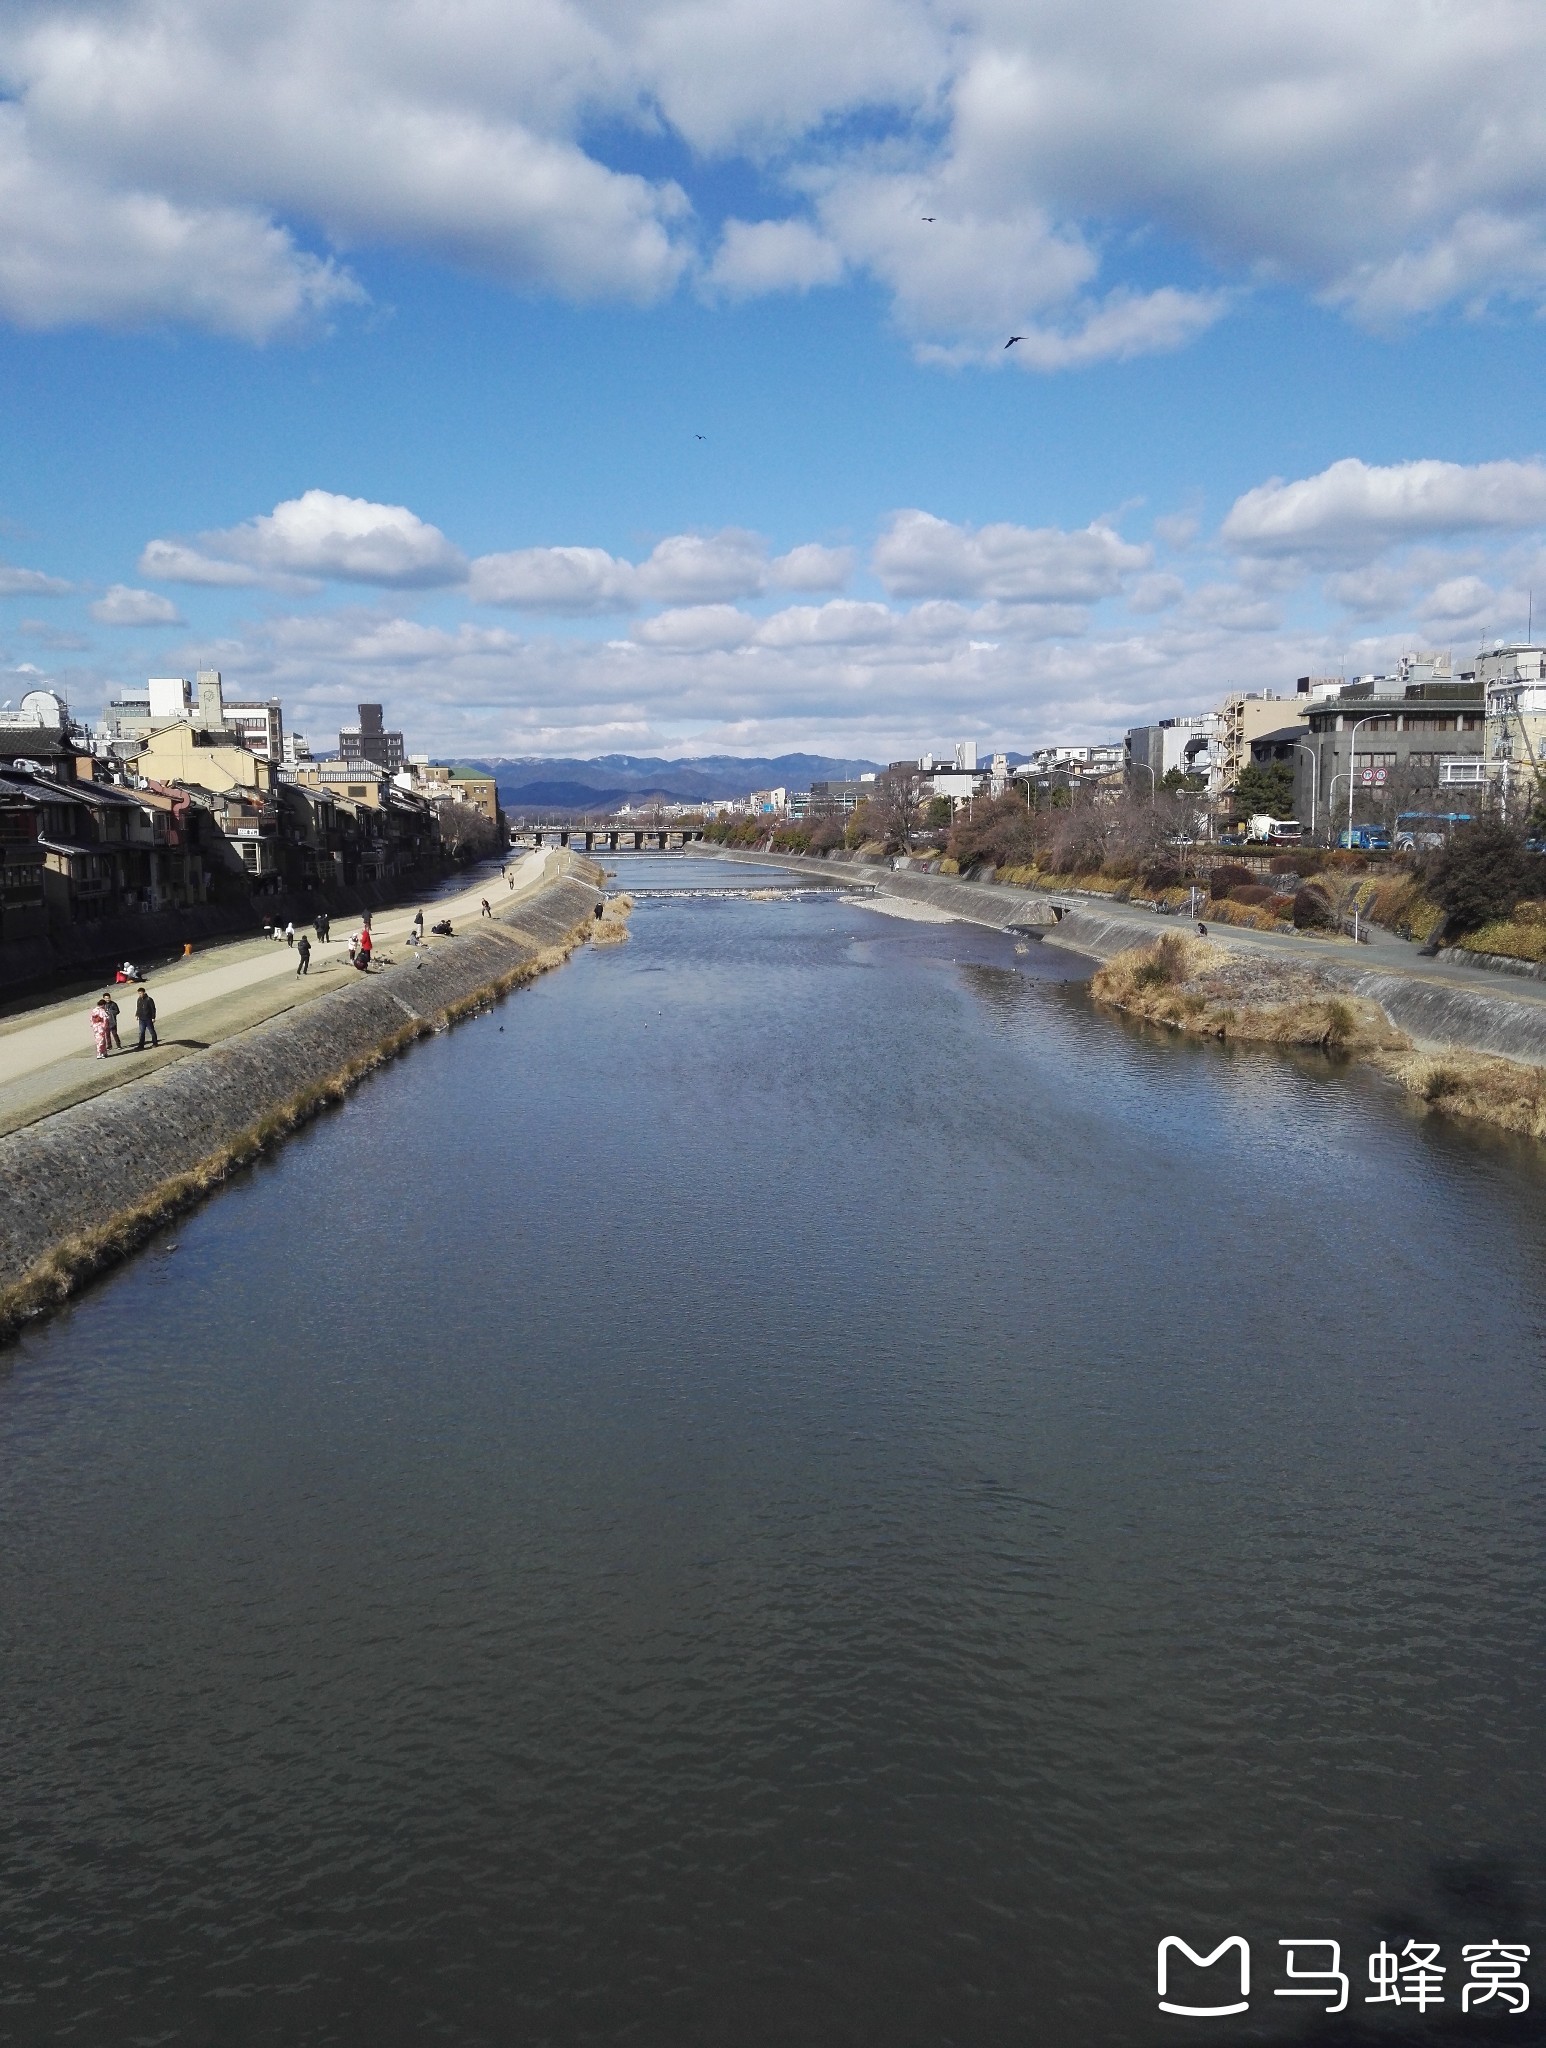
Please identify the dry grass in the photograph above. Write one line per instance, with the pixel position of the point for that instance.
(1202, 989)
(611, 928)
(1520, 937)
(1503, 1093)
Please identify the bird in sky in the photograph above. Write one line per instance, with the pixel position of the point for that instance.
(1013, 339)
(928, 217)
(698, 437)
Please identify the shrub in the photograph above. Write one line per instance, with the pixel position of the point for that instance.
(1283, 864)
(1481, 874)
(1161, 875)
(1312, 909)
(1227, 876)
(1254, 894)
(1165, 965)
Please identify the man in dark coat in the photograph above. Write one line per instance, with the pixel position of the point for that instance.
(145, 1015)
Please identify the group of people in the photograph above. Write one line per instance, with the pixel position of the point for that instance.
(104, 1015)
(104, 1021)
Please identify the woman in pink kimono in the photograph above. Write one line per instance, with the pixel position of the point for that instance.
(101, 1029)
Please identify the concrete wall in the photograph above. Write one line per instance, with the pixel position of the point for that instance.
(81, 1187)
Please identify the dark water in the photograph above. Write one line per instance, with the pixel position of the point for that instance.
(792, 1484)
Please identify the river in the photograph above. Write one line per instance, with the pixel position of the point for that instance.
(793, 1483)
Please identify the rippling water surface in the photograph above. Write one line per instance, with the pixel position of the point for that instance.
(792, 1484)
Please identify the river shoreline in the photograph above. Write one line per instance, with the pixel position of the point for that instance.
(81, 1189)
(1470, 1051)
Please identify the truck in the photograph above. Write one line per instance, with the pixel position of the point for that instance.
(1365, 839)
(1265, 830)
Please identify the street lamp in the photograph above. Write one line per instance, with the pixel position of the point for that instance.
(1304, 747)
(1148, 767)
(1352, 764)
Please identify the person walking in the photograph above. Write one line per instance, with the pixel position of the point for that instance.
(111, 1007)
(101, 1026)
(303, 949)
(486, 911)
(145, 1015)
(323, 923)
(289, 931)
(418, 921)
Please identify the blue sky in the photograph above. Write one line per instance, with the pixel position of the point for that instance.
(321, 396)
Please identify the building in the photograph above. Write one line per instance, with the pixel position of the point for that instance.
(23, 910)
(1174, 746)
(1404, 744)
(444, 784)
(260, 727)
(1513, 684)
(832, 798)
(1244, 716)
(368, 741)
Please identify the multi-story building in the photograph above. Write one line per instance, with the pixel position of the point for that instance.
(260, 727)
(1403, 745)
(1173, 746)
(1244, 716)
(1513, 683)
(369, 741)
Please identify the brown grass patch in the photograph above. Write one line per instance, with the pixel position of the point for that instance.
(1203, 989)
(611, 928)
(1504, 1093)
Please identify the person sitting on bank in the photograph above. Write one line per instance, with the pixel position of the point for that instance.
(145, 1015)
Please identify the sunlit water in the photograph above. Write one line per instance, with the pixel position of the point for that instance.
(792, 1484)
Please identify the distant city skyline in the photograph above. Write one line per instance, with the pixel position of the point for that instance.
(637, 383)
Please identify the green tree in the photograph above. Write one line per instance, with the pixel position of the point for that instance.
(1265, 789)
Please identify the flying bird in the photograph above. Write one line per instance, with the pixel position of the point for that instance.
(697, 437)
(1013, 339)
(928, 217)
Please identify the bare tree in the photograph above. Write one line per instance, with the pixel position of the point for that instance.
(898, 794)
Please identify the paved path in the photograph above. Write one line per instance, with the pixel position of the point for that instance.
(47, 1059)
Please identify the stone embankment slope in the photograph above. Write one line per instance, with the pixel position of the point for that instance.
(81, 1188)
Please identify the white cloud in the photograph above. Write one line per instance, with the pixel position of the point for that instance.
(1156, 593)
(773, 256)
(921, 556)
(318, 535)
(77, 252)
(31, 583)
(122, 606)
(698, 628)
(685, 568)
(1390, 163)
(1354, 510)
(1459, 599)
(812, 567)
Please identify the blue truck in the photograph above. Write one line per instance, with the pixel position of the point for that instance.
(1365, 839)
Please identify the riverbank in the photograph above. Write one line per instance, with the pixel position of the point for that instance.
(1190, 985)
(1465, 1043)
(82, 1188)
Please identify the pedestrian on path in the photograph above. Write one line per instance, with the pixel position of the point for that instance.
(303, 948)
(112, 1018)
(354, 946)
(362, 958)
(418, 921)
(145, 1015)
(101, 1026)
(486, 911)
(324, 926)
(289, 931)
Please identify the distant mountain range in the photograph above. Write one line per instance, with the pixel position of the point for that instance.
(606, 781)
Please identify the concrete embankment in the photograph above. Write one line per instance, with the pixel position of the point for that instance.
(82, 1188)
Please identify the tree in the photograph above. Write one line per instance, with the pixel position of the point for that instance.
(464, 832)
(1481, 874)
(1265, 789)
(893, 809)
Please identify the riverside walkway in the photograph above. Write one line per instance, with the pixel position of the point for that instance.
(48, 1062)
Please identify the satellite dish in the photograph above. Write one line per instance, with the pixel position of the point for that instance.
(43, 707)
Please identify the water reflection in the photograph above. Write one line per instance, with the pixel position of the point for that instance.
(810, 1487)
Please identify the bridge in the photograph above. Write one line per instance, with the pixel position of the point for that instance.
(614, 838)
